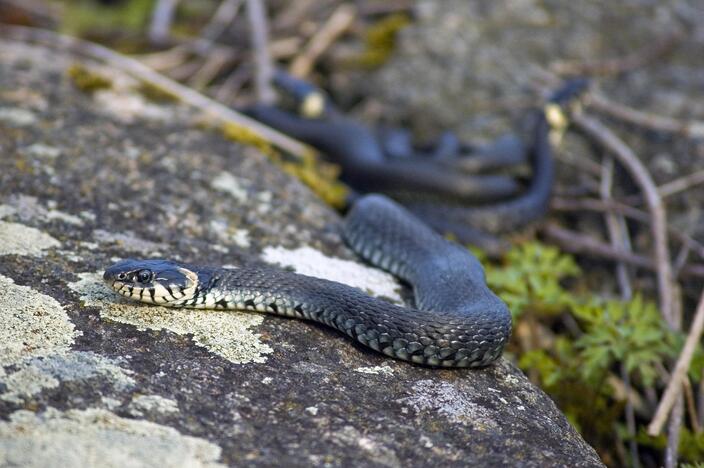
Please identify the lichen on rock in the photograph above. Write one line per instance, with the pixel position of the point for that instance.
(34, 324)
(226, 333)
(309, 261)
(96, 437)
(19, 239)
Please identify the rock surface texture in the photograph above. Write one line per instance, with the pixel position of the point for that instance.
(87, 378)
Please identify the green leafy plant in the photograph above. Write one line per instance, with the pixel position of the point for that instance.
(629, 332)
(578, 345)
(529, 278)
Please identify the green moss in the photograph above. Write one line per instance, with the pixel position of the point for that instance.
(91, 18)
(321, 177)
(379, 42)
(156, 93)
(87, 80)
(246, 136)
(529, 279)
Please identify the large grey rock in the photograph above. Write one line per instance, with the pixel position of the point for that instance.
(88, 379)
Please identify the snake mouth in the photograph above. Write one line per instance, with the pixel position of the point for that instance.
(152, 281)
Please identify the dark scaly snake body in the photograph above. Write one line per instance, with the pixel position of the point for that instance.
(457, 321)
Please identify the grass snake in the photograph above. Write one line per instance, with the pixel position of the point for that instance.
(457, 320)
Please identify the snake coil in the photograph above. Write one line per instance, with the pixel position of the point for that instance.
(457, 320)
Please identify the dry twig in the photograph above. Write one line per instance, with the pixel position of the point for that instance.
(339, 22)
(618, 232)
(143, 73)
(618, 236)
(673, 433)
(162, 17)
(680, 185)
(218, 24)
(674, 387)
(691, 406)
(692, 129)
(640, 174)
(211, 68)
(611, 206)
(578, 243)
(263, 70)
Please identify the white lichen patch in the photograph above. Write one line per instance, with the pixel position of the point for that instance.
(18, 239)
(127, 107)
(35, 342)
(29, 208)
(375, 370)
(41, 373)
(226, 333)
(26, 382)
(309, 261)
(224, 233)
(65, 217)
(110, 403)
(442, 397)
(42, 151)
(33, 324)
(352, 437)
(241, 238)
(152, 404)
(7, 210)
(234, 186)
(17, 117)
(97, 437)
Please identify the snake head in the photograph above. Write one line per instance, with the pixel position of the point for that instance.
(154, 281)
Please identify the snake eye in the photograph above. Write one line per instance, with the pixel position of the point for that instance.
(144, 276)
(122, 276)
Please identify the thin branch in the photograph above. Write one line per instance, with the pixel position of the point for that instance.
(259, 37)
(630, 419)
(202, 45)
(674, 387)
(680, 185)
(640, 174)
(700, 399)
(227, 91)
(692, 129)
(212, 66)
(618, 232)
(218, 24)
(166, 59)
(691, 406)
(578, 243)
(143, 73)
(600, 206)
(581, 164)
(162, 17)
(673, 434)
(618, 236)
(339, 22)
